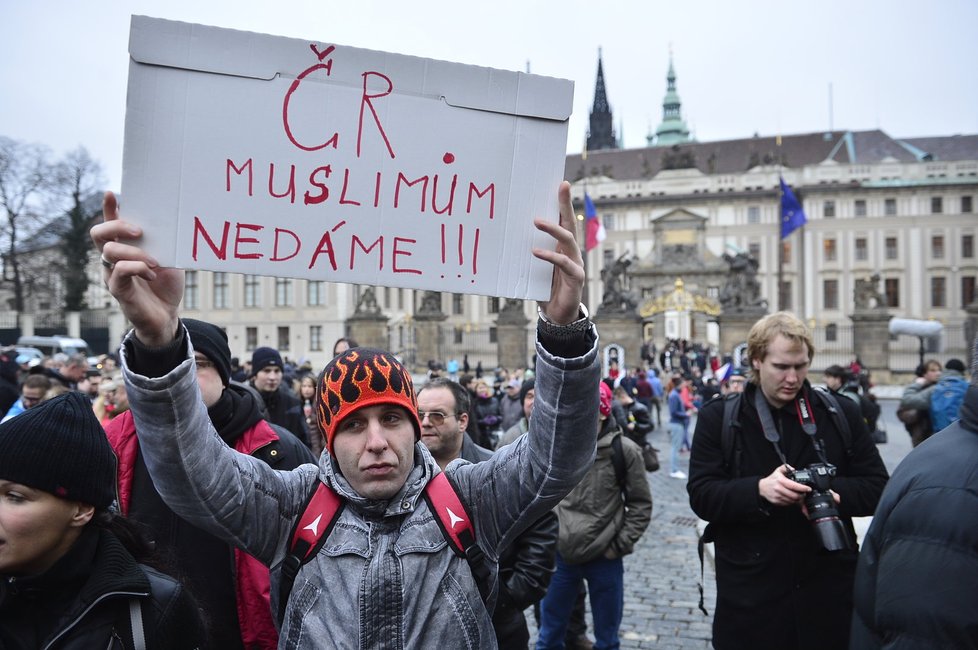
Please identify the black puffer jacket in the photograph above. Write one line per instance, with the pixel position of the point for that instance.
(917, 578)
(82, 602)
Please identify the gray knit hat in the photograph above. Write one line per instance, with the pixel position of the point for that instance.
(59, 447)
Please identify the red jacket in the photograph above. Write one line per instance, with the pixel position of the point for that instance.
(252, 583)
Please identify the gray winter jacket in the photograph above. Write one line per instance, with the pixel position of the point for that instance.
(385, 577)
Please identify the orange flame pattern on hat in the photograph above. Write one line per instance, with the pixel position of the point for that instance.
(362, 377)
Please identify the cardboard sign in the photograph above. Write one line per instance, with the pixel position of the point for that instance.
(275, 156)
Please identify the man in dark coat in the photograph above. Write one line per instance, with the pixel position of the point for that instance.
(777, 585)
(281, 404)
(232, 587)
(917, 580)
(526, 565)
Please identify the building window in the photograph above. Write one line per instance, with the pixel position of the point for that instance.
(828, 209)
(191, 292)
(400, 299)
(283, 339)
(754, 250)
(967, 246)
(862, 249)
(891, 287)
(967, 290)
(938, 292)
(283, 292)
(252, 291)
(937, 247)
(830, 294)
(315, 338)
(609, 222)
(459, 334)
(889, 207)
(786, 251)
(965, 204)
(609, 257)
(220, 290)
(936, 205)
(251, 338)
(387, 297)
(892, 251)
(458, 304)
(753, 214)
(785, 295)
(829, 252)
(831, 333)
(315, 293)
(860, 207)
(493, 338)
(493, 305)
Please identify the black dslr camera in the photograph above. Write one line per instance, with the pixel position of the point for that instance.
(822, 512)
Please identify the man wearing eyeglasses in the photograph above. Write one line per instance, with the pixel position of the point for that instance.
(526, 565)
(231, 586)
(32, 393)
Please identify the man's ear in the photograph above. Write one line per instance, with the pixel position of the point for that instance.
(463, 421)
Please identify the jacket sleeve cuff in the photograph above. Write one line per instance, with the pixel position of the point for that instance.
(156, 362)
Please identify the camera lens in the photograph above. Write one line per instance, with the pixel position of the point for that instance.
(829, 528)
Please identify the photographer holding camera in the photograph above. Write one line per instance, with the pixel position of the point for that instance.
(778, 471)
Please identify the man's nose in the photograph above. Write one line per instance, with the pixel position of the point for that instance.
(376, 440)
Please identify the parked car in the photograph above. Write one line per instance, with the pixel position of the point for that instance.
(30, 356)
(52, 345)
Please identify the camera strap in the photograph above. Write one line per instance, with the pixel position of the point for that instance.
(806, 417)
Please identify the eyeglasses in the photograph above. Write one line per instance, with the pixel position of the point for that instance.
(437, 418)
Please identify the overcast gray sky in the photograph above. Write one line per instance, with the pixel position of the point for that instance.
(743, 66)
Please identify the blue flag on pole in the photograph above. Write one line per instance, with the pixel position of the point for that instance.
(792, 216)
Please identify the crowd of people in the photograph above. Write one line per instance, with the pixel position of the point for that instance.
(171, 498)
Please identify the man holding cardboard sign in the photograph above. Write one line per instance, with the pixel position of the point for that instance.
(386, 559)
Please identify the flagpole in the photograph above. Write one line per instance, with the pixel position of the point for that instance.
(583, 223)
(779, 239)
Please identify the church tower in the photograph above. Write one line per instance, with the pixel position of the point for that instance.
(673, 129)
(601, 133)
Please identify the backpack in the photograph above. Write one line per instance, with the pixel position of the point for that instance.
(945, 401)
(323, 509)
(730, 442)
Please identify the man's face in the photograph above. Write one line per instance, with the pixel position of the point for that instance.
(834, 383)
(209, 380)
(513, 391)
(735, 385)
(783, 371)
(93, 383)
(31, 397)
(933, 373)
(443, 440)
(268, 378)
(374, 447)
(119, 397)
(74, 373)
(528, 403)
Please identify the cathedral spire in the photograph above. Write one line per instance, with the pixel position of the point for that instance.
(673, 129)
(601, 134)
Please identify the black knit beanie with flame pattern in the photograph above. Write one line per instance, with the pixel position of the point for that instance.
(363, 377)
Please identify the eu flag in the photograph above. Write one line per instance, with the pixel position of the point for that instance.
(792, 216)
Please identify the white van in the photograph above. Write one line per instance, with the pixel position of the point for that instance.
(51, 345)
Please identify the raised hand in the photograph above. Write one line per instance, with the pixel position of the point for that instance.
(568, 278)
(148, 294)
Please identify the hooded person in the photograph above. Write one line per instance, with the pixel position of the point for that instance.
(281, 405)
(69, 573)
(917, 575)
(233, 587)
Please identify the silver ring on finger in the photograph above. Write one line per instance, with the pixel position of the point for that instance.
(106, 263)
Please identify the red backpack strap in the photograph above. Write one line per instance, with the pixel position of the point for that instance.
(319, 515)
(452, 517)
